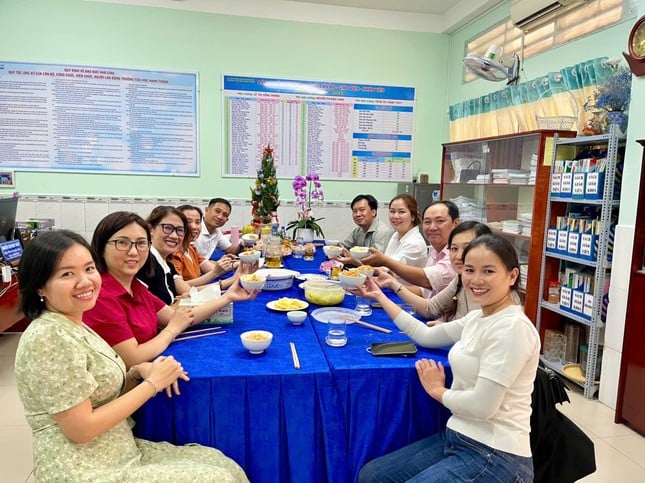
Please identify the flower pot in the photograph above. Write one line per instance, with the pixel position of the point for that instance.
(307, 234)
(620, 119)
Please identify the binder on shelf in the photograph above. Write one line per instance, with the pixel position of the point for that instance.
(579, 184)
(556, 179)
(594, 185)
(563, 236)
(552, 239)
(566, 183)
(588, 306)
(577, 301)
(573, 244)
(588, 245)
(565, 298)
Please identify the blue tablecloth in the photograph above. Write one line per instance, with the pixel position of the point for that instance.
(318, 424)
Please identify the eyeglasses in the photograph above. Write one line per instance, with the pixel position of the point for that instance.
(125, 245)
(168, 229)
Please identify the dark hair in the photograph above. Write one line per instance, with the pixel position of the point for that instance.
(39, 262)
(453, 209)
(183, 208)
(478, 229)
(411, 203)
(501, 247)
(371, 201)
(107, 227)
(160, 212)
(220, 200)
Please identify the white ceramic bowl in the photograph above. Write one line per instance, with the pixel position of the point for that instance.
(366, 270)
(252, 281)
(250, 256)
(349, 281)
(277, 278)
(359, 252)
(332, 251)
(297, 317)
(250, 239)
(256, 341)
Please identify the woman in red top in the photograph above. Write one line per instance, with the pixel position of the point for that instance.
(126, 314)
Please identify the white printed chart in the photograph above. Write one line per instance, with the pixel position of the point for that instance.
(97, 119)
(340, 131)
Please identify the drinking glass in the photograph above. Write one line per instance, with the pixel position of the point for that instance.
(363, 306)
(336, 332)
(409, 308)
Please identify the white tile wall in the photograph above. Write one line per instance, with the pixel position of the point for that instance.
(82, 214)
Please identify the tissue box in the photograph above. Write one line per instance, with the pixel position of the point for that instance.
(222, 316)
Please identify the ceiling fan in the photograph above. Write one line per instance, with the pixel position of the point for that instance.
(486, 67)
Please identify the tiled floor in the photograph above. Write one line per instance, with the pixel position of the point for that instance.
(619, 450)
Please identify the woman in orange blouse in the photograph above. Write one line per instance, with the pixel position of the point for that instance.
(193, 267)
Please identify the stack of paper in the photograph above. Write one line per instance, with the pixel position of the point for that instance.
(511, 226)
(469, 209)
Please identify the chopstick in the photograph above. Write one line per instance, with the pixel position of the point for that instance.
(189, 332)
(294, 356)
(200, 335)
(369, 326)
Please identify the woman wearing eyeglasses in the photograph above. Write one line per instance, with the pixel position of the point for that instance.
(136, 323)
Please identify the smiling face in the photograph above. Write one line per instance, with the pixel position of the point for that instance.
(74, 285)
(400, 217)
(168, 235)
(459, 243)
(124, 265)
(216, 216)
(487, 279)
(363, 215)
(437, 225)
(194, 223)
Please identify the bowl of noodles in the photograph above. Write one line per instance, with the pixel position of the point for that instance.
(256, 341)
(352, 278)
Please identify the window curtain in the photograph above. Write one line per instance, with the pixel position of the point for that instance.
(554, 101)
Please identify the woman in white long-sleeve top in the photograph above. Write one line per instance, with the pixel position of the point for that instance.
(493, 360)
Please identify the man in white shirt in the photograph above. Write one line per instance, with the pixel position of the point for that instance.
(438, 220)
(370, 232)
(211, 237)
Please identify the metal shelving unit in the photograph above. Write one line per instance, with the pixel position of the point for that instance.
(600, 265)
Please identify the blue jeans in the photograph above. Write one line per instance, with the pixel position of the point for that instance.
(447, 456)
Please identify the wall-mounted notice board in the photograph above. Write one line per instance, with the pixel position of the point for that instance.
(340, 131)
(97, 120)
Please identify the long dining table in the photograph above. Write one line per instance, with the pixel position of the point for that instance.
(319, 423)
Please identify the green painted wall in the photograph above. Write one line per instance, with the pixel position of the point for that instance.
(78, 32)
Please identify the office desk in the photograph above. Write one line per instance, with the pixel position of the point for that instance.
(318, 424)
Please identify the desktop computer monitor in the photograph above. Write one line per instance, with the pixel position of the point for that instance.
(8, 209)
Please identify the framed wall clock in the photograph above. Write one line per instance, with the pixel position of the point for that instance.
(636, 46)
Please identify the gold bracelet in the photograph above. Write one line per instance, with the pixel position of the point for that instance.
(170, 332)
(154, 386)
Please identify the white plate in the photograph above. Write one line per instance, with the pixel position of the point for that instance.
(272, 305)
(323, 314)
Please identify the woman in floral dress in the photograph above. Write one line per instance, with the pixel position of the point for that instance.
(75, 389)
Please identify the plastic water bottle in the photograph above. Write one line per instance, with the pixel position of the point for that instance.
(283, 232)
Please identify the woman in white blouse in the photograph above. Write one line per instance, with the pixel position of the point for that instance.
(407, 244)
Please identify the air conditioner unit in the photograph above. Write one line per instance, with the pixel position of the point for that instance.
(528, 13)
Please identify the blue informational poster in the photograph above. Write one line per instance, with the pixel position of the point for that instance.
(98, 120)
(341, 131)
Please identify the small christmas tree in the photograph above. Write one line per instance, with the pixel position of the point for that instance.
(264, 194)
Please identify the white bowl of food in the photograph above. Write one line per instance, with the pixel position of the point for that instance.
(297, 317)
(249, 256)
(366, 270)
(332, 251)
(351, 278)
(250, 239)
(256, 341)
(277, 278)
(253, 281)
(359, 252)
